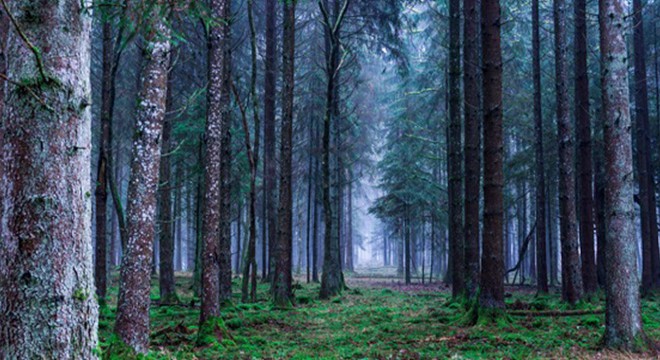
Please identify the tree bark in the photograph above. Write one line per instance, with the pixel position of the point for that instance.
(472, 104)
(623, 324)
(332, 280)
(253, 159)
(132, 323)
(224, 251)
(650, 258)
(270, 163)
(213, 134)
(570, 260)
(101, 193)
(492, 262)
(166, 240)
(46, 248)
(454, 149)
(585, 188)
(282, 281)
(541, 262)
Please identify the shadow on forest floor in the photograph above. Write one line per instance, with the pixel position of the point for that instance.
(378, 318)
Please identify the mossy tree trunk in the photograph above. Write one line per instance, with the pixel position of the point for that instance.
(132, 325)
(623, 324)
(47, 303)
(217, 40)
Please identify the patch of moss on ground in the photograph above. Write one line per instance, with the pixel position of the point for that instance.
(369, 322)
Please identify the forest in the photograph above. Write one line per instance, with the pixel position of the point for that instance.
(329, 179)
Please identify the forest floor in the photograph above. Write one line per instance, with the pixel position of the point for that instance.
(378, 318)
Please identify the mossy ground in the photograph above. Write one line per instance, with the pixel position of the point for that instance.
(375, 319)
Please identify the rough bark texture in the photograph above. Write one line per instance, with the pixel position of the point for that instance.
(332, 279)
(541, 262)
(165, 219)
(650, 261)
(585, 187)
(132, 324)
(456, 239)
(253, 159)
(472, 103)
(270, 165)
(570, 258)
(46, 248)
(623, 322)
(224, 251)
(492, 260)
(210, 307)
(101, 193)
(282, 280)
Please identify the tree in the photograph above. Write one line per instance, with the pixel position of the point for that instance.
(332, 279)
(492, 261)
(46, 247)
(570, 261)
(282, 279)
(645, 174)
(166, 284)
(623, 323)
(456, 240)
(270, 165)
(541, 263)
(472, 107)
(253, 159)
(585, 188)
(132, 325)
(217, 109)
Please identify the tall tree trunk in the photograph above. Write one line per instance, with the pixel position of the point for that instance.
(215, 123)
(310, 182)
(332, 279)
(645, 175)
(472, 104)
(224, 251)
(541, 263)
(282, 281)
(199, 221)
(454, 149)
(166, 240)
(253, 159)
(349, 223)
(47, 305)
(101, 193)
(623, 324)
(599, 197)
(132, 323)
(586, 204)
(315, 245)
(270, 163)
(570, 258)
(492, 262)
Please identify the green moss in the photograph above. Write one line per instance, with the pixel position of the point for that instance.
(212, 332)
(80, 294)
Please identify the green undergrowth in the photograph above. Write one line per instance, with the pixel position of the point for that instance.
(372, 323)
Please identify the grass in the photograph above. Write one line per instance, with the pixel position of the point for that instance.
(376, 321)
